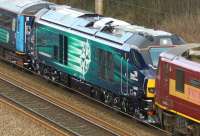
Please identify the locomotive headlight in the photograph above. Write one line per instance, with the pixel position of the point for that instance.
(150, 88)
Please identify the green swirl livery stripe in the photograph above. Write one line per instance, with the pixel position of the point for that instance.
(4, 36)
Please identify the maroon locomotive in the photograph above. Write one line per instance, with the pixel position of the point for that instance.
(178, 90)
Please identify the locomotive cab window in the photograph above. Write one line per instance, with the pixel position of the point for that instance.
(195, 83)
(180, 80)
(137, 59)
(155, 53)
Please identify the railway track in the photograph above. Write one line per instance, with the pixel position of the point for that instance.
(110, 127)
(58, 118)
(33, 117)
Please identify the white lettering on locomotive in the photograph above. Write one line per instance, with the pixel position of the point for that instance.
(134, 76)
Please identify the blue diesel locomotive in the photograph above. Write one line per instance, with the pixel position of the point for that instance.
(110, 59)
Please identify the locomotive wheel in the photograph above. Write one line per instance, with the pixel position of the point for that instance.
(160, 115)
(196, 130)
(37, 68)
(168, 121)
(124, 104)
(193, 129)
(54, 75)
(96, 94)
(116, 101)
(108, 98)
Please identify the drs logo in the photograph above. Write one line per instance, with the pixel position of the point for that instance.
(134, 76)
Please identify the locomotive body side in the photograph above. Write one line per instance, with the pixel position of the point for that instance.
(85, 58)
(92, 61)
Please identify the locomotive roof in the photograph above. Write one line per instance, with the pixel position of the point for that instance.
(185, 56)
(22, 6)
(178, 51)
(106, 28)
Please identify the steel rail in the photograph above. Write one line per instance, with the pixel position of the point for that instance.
(32, 117)
(84, 115)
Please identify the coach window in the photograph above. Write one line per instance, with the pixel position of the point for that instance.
(7, 20)
(180, 80)
(13, 24)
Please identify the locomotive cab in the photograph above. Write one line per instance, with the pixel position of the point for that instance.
(177, 90)
(145, 58)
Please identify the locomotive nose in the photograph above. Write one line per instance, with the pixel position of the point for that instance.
(150, 89)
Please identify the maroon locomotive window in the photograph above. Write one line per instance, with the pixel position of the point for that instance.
(180, 80)
(195, 83)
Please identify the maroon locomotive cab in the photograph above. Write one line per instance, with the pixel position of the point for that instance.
(162, 83)
(178, 90)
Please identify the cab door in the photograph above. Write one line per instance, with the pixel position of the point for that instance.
(20, 34)
(124, 78)
(165, 75)
(29, 34)
(164, 86)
